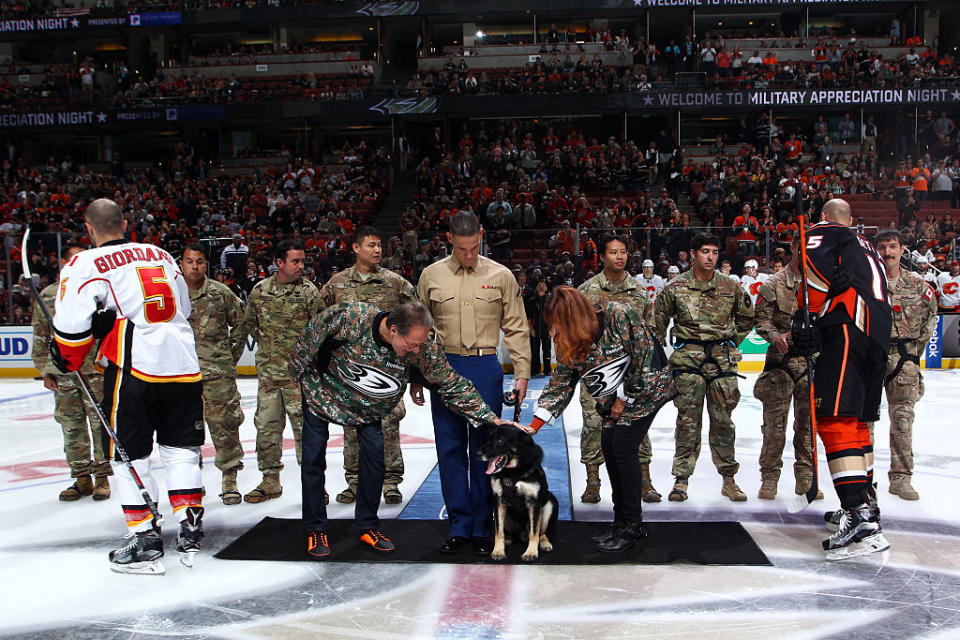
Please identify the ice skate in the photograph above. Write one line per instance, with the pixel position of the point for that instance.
(190, 535)
(142, 555)
(858, 534)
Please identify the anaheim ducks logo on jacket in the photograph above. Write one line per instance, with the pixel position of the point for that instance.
(603, 380)
(369, 381)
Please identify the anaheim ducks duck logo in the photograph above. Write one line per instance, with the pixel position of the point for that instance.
(369, 381)
(604, 379)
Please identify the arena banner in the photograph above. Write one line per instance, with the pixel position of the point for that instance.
(933, 353)
(16, 343)
(715, 4)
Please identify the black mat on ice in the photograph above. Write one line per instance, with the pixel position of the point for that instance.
(722, 543)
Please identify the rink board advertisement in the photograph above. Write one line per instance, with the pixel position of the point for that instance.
(942, 351)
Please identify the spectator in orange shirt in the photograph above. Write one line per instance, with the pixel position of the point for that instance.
(565, 238)
(770, 60)
(920, 176)
(793, 148)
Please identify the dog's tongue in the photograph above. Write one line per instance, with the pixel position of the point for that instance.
(492, 465)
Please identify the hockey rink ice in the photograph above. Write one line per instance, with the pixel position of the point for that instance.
(56, 582)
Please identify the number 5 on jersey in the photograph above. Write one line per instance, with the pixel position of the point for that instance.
(159, 303)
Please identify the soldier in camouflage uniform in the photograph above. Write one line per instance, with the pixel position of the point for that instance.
(784, 377)
(73, 410)
(616, 355)
(613, 283)
(277, 310)
(366, 281)
(712, 314)
(353, 362)
(914, 320)
(216, 312)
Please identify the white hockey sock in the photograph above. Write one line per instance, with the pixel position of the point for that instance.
(134, 508)
(184, 478)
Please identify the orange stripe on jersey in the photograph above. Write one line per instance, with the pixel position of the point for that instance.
(146, 377)
(843, 368)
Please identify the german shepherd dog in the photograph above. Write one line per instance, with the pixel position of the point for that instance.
(523, 507)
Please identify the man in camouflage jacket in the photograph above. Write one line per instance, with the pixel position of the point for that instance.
(367, 281)
(216, 311)
(353, 363)
(612, 283)
(72, 409)
(712, 314)
(914, 320)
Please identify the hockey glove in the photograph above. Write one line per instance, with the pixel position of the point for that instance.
(56, 357)
(841, 281)
(102, 323)
(806, 339)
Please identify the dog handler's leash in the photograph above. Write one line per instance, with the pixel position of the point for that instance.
(510, 400)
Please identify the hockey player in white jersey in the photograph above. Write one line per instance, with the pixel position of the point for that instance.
(649, 281)
(948, 289)
(752, 279)
(923, 270)
(134, 299)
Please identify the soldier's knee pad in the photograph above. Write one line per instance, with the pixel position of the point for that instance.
(772, 386)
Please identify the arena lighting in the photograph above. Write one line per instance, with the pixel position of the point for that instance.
(479, 34)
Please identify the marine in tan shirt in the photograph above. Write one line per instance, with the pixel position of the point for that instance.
(472, 299)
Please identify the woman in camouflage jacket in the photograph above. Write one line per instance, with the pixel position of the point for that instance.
(621, 363)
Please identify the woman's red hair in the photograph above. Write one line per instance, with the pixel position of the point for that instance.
(574, 321)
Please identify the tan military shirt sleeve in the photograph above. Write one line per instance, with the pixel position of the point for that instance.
(516, 331)
(41, 336)
(763, 313)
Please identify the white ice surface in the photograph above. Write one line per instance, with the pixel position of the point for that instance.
(55, 575)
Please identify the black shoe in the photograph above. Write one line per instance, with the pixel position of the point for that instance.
(453, 544)
(318, 546)
(623, 539)
(377, 541)
(606, 534)
(482, 545)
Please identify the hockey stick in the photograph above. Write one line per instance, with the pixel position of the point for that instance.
(85, 385)
(797, 503)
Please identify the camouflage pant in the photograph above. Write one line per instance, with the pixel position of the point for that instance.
(775, 389)
(590, 452)
(276, 400)
(221, 409)
(722, 396)
(392, 455)
(73, 412)
(903, 392)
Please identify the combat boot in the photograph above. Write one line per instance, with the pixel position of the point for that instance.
(647, 491)
(101, 488)
(268, 489)
(803, 485)
(391, 494)
(348, 495)
(731, 490)
(229, 492)
(768, 489)
(82, 486)
(900, 486)
(591, 494)
(679, 491)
